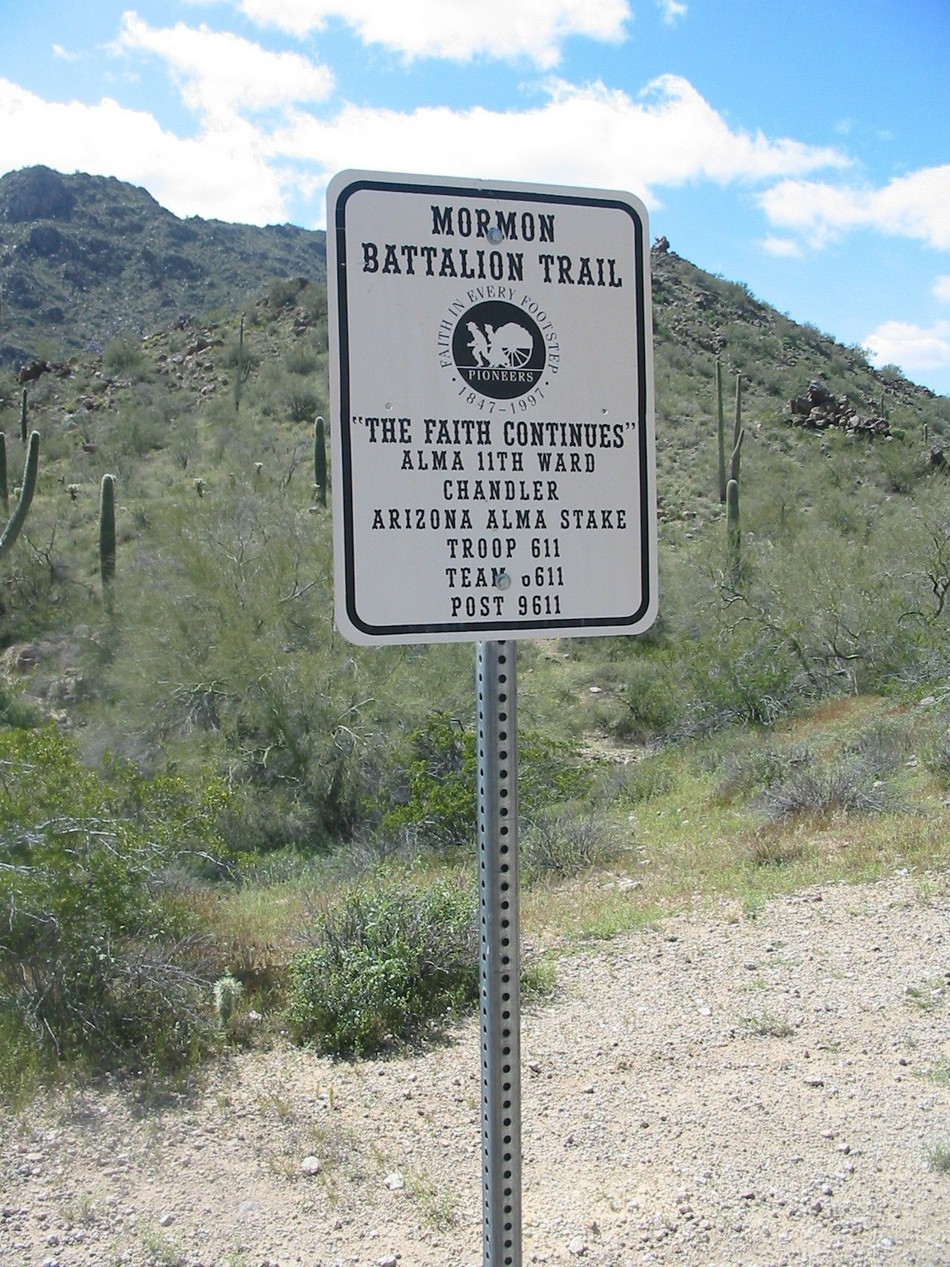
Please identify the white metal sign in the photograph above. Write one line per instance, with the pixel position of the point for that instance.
(491, 377)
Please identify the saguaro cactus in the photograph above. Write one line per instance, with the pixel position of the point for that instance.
(23, 417)
(320, 461)
(18, 518)
(4, 489)
(107, 529)
(242, 370)
(721, 431)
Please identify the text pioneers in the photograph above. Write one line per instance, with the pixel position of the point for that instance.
(491, 378)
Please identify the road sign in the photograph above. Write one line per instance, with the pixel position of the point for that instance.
(491, 378)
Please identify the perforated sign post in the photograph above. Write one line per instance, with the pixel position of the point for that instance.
(491, 378)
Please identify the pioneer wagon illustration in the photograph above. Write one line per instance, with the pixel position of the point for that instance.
(510, 345)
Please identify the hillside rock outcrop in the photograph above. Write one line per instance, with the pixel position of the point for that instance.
(817, 409)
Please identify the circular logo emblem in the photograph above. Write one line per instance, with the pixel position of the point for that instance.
(498, 349)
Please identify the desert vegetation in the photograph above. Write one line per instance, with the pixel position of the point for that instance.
(203, 784)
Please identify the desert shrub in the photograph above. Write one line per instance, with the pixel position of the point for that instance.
(242, 357)
(651, 698)
(304, 403)
(302, 359)
(774, 846)
(650, 777)
(283, 292)
(757, 764)
(902, 465)
(96, 960)
(124, 355)
(135, 432)
(881, 746)
(387, 964)
(823, 788)
(246, 670)
(745, 678)
(15, 710)
(936, 754)
(558, 843)
(313, 300)
(435, 786)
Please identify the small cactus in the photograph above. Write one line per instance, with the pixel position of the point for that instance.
(736, 454)
(107, 529)
(227, 992)
(23, 417)
(18, 518)
(320, 461)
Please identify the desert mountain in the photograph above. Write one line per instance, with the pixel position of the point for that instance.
(83, 258)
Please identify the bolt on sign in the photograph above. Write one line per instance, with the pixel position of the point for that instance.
(491, 377)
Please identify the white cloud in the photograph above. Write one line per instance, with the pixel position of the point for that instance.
(63, 54)
(455, 29)
(941, 288)
(909, 346)
(247, 168)
(667, 137)
(221, 74)
(672, 10)
(786, 248)
(913, 206)
(219, 174)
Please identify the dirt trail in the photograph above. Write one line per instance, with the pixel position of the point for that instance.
(718, 1091)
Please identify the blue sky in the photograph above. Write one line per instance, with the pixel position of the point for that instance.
(802, 148)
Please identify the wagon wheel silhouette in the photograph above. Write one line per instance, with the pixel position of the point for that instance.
(512, 346)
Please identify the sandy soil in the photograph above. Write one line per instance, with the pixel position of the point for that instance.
(716, 1091)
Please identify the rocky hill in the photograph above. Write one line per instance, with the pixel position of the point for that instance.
(83, 258)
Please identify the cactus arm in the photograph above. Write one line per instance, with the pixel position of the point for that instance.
(738, 425)
(18, 518)
(736, 454)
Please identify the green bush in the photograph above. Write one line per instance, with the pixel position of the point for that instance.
(124, 355)
(96, 962)
(304, 403)
(936, 748)
(388, 963)
(246, 670)
(436, 790)
(15, 710)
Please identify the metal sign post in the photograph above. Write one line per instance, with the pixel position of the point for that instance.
(500, 971)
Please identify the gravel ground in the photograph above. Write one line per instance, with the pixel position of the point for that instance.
(717, 1091)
